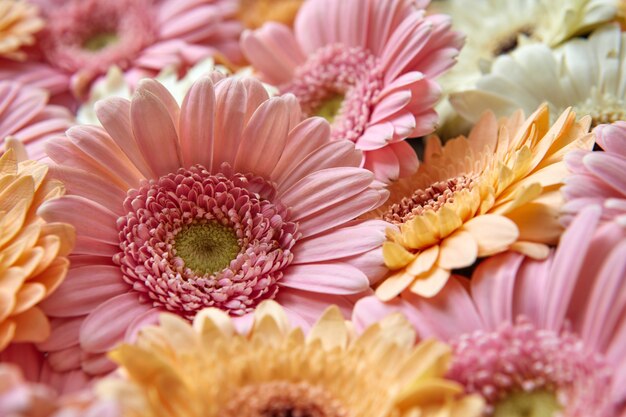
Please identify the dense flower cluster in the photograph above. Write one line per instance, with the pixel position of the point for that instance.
(312, 208)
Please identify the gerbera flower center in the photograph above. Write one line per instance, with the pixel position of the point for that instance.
(92, 35)
(524, 371)
(339, 83)
(283, 399)
(509, 42)
(193, 239)
(431, 198)
(603, 110)
(206, 247)
(538, 403)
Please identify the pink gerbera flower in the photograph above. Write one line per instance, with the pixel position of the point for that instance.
(365, 65)
(224, 202)
(84, 38)
(536, 337)
(598, 177)
(26, 115)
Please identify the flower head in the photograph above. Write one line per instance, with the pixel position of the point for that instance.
(535, 337)
(224, 202)
(372, 78)
(26, 116)
(477, 196)
(19, 22)
(597, 177)
(586, 74)
(84, 38)
(33, 260)
(276, 370)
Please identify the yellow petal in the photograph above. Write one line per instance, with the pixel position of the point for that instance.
(19, 190)
(394, 285)
(537, 223)
(429, 284)
(457, 250)
(212, 322)
(420, 232)
(493, 233)
(396, 256)
(11, 222)
(330, 329)
(448, 221)
(468, 406)
(424, 261)
(272, 309)
(8, 162)
(531, 249)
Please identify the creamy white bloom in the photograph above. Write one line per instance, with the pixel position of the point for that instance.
(587, 74)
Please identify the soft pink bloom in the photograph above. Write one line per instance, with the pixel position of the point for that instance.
(84, 38)
(525, 325)
(161, 192)
(598, 177)
(20, 397)
(368, 66)
(26, 115)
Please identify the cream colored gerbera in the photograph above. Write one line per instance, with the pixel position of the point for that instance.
(477, 196)
(210, 370)
(495, 27)
(19, 21)
(588, 74)
(32, 252)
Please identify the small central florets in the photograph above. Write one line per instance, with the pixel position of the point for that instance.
(340, 84)
(430, 198)
(283, 399)
(520, 368)
(194, 239)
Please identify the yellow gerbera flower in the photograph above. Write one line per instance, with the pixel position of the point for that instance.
(32, 252)
(254, 13)
(19, 21)
(210, 370)
(476, 196)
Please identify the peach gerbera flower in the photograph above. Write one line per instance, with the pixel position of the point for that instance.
(32, 252)
(598, 177)
(224, 202)
(535, 337)
(476, 196)
(19, 21)
(84, 38)
(26, 116)
(276, 370)
(254, 13)
(372, 75)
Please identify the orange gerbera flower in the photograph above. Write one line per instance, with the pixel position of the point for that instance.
(495, 190)
(32, 252)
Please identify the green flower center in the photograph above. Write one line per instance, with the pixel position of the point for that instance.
(206, 248)
(540, 403)
(100, 40)
(329, 108)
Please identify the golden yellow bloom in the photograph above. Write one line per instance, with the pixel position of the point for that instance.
(254, 13)
(210, 370)
(495, 190)
(19, 21)
(32, 252)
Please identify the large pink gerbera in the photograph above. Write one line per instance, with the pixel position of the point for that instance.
(224, 202)
(599, 177)
(367, 66)
(536, 337)
(84, 38)
(26, 115)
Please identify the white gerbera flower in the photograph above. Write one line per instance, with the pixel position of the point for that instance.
(587, 74)
(498, 27)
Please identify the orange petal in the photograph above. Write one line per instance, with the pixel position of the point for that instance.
(394, 285)
(7, 330)
(32, 326)
(429, 284)
(458, 250)
(492, 233)
(28, 296)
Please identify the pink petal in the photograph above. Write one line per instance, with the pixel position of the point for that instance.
(326, 278)
(230, 104)
(307, 307)
(196, 124)
(105, 326)
(63, 334)
(383, 163)
(610, 168)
